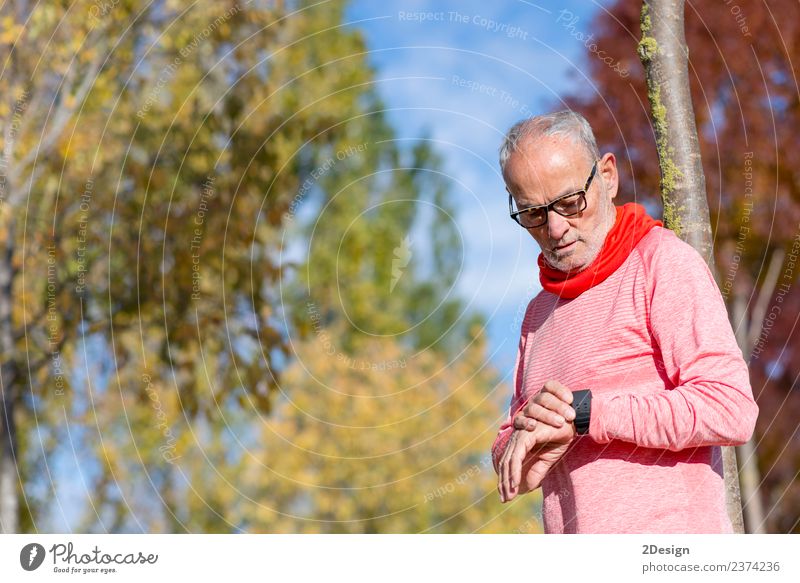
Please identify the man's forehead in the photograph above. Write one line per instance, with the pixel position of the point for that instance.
(541, 172)
(546, 150)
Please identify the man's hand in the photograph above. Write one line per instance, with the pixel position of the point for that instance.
(528, 457)
(543, 431)
(551, 406)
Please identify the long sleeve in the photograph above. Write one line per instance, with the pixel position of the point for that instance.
(711, 401)
(517, 402)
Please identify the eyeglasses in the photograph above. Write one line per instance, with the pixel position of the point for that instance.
(567, 206)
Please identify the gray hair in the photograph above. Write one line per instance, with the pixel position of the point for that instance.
(566, 123)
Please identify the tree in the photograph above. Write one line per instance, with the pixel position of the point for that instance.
(380, 441)
(148, 161)
(158, 221)
(387, 412)
(745, 103)
(664, 54)
(54, 57)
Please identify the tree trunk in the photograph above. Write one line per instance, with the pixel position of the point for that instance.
(665, 56)
(748, 329)
(9, 393)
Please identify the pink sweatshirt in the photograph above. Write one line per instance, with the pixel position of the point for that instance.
(669, 385)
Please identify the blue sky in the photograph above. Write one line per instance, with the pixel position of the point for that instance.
(462, 73)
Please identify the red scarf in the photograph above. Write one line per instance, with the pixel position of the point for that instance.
(631, 225)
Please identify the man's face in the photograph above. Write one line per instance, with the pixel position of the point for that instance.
(550, 167)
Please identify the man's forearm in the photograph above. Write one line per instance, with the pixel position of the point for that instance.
(687, 416)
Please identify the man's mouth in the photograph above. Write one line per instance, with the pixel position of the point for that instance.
(565, 247)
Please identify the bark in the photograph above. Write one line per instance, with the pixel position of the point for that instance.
(665, 56)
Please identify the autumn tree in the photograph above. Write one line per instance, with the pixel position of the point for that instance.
(390, 402)
(380, 441)
(163, 167)
(745, 100)
(54, 56)
(149, 157)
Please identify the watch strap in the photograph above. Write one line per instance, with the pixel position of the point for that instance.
(582, 403)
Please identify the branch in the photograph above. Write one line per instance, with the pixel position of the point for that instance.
(759, 312)
(69, 98)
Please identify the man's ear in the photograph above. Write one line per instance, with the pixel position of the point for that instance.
(608, 169)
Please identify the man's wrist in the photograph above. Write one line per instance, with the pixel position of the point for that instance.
(582, 403)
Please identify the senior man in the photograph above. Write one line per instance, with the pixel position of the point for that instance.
(628, 377)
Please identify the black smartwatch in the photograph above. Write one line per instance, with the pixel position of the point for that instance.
(582, 403)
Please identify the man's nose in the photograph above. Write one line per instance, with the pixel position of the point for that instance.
(557, 226)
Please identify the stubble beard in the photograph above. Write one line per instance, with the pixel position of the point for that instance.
(567, 261)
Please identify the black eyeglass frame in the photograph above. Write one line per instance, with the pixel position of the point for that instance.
(552, 205)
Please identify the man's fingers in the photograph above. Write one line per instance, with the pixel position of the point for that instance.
(504, 488)
(559, 390)
(524, 423)
(517, 457)
(545, 415)
(555, 404)
(511, 466)
(502, 482)
(500, 474)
